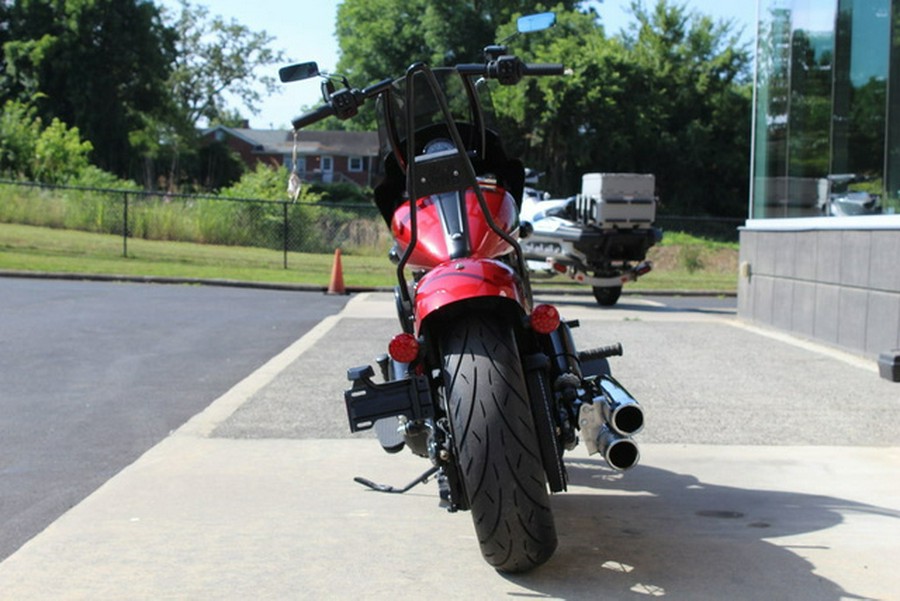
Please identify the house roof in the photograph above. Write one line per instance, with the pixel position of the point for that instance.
(281, 141)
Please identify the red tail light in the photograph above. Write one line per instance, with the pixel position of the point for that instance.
(544, 319)
(404, 348)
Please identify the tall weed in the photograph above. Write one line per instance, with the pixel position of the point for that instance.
(310, 227)
(690, 257)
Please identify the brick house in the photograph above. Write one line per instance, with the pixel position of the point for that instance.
(325, 156)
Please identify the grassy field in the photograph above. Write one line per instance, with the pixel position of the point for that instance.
(681, 263)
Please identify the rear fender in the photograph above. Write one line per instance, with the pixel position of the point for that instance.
(463, 280)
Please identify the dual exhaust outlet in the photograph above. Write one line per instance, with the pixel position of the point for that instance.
(608, 423)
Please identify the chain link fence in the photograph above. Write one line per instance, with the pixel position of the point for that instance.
(283, 226)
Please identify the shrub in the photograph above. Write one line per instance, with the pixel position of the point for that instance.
(19, 131)
(59, 154)
(341, 192)
(690, 257)
(53, 155)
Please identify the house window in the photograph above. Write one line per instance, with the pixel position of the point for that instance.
(301, 164)
(355, 164)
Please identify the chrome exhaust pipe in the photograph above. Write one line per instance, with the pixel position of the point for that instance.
(620, 452)
(621, 411)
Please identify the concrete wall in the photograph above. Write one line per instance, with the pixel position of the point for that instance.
(833, 279)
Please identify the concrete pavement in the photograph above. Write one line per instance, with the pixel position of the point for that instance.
(768, 472)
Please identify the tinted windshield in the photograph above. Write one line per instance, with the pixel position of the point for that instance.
(429, 120)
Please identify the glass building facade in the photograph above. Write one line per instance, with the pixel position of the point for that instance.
(827, 109)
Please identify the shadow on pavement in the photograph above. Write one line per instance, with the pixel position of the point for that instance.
(658, 533)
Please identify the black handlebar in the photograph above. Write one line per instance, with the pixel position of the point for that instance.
(509, 70)
(343, 104)
(472, 69)
(377, 88)
(506, 69)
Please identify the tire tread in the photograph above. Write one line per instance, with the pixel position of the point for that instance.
(496, 444)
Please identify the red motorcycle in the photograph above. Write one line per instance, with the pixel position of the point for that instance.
(484, 384)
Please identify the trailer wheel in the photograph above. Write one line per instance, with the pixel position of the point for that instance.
(607, 296)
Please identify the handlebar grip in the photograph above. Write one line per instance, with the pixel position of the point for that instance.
(326, 110)
(543, 69)
(613, 350)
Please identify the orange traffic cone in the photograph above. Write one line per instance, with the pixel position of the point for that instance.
(336, 286)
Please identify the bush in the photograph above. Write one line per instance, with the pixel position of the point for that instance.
(19, 131)
(689, 257)
(52, 155)
(263, 183)
(94, 177)
(341, 192)
(59, 154)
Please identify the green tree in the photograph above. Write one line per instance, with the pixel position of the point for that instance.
(381, 38)
(692, 123)
(214, 57)
(134, 80)
(98, 65)
(563, 126)
(670, 97)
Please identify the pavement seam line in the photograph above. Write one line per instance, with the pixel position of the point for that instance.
(821, 349)
(204, 423)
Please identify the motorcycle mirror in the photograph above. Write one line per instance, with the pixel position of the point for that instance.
(538, 22)
(298, 72)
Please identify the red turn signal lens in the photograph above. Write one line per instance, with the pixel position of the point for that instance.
(404, 348)
(544, 319)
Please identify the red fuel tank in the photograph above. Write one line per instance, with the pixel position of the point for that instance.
(431, 247)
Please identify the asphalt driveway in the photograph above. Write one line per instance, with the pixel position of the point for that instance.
(93, 374)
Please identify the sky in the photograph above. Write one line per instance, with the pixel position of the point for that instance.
(304, 31)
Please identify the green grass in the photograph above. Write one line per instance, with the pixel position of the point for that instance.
(28, 248)
(38, 249)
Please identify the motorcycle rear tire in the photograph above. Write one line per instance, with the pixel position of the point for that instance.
(496, 444)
